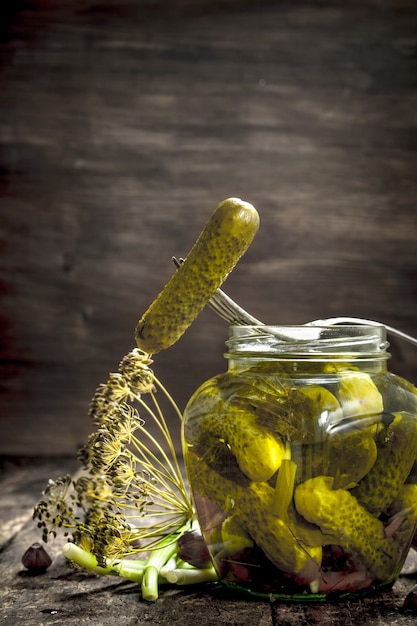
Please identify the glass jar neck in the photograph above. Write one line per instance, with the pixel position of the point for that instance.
(364, 345)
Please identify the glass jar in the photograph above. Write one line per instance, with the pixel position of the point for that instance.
(302, 462)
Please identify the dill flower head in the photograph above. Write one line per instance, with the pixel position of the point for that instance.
(55, 510)
(132, 495)
(93, 493)
(107, 536)
(108, 396)
(134, 367)
(113, 538)
(104, 449)
(83, 537)
(133, 378)
(123, 475)
(123, 420)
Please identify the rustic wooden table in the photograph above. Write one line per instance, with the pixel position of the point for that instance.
(72, 598)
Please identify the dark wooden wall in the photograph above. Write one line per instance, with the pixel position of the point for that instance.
(124, 123)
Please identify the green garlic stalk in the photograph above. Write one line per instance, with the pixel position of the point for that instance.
(143, 572)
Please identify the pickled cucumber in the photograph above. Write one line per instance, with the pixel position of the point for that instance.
(358, 532)
(346, 452)
(252, 505)
(220, 423)
(323, 409)
(358, 395)
(298, 414)
(234, 536)
(224, 239)
(403, 512)
(396, 392)
(350, 453)
(397, 451)
(258, 453)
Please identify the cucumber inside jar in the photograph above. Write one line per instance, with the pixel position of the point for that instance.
(353, 461)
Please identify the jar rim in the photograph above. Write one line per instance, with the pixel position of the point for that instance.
(287, 341)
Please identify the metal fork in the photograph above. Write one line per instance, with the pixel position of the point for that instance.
(235, 315)
(231, 312)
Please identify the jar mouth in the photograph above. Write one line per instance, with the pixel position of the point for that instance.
(283, 341)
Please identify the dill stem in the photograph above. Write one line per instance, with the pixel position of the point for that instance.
(154, 564)
(160, 421)
(150, 583)
(179, 414)
(191, 576)
(154, 441)
(84, 559)
(130, 569)
(169, 397)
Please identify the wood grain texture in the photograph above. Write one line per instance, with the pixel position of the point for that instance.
(123, 125)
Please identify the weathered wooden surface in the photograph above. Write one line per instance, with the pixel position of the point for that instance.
(124, 123)
(71, 598)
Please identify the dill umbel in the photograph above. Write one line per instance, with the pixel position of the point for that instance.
(131, 496)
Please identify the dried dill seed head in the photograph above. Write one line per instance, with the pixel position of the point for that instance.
(82, 488)
(105, 533)
(128, 473)
(108, 442)
(95, 494)
(101, 403)
(122, 421)
(108, 397)
(119, 418)
(55, 510)
(84, 455)
(123, 474)
(134, 367)
(117, 388)
(83, 537)
(105, 448)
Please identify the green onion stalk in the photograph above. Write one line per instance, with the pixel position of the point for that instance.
(126, 511)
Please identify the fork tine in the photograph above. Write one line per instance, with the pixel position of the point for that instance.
(231, 312)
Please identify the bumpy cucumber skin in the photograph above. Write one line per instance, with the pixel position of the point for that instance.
(359, 533)
(405, 507)
(397, 452)
(257, 451)
(234, 536)
(226, 236)
(252, 505)
(352, 453)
